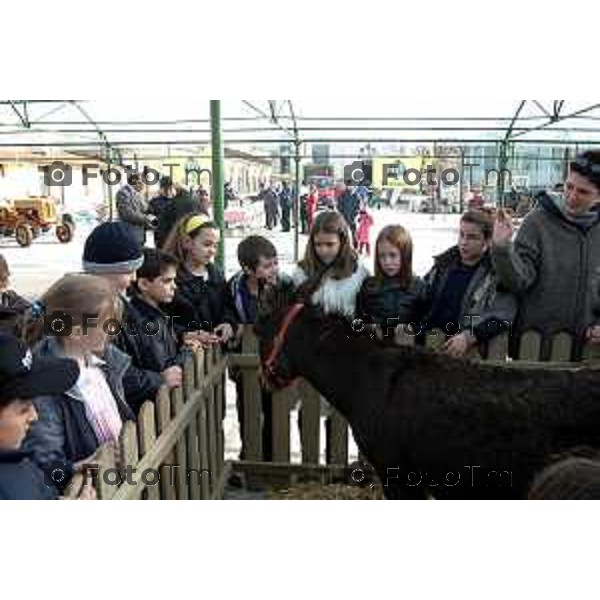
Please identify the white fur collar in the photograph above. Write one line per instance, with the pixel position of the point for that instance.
(336, 296)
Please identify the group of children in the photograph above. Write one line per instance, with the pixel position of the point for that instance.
(166, 303)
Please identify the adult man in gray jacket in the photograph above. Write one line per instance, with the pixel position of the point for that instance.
(553, 265)
(132, 208)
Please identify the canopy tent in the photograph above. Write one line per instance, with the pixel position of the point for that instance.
(154, 127)
(152, 123)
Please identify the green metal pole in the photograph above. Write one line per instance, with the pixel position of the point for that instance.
(297, 203)
(502, 164)
(218, 159)
(109, 187)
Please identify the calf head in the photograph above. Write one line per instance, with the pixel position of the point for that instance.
(278, 306)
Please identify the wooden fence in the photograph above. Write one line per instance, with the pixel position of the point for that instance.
(175, 450)
(184, 427)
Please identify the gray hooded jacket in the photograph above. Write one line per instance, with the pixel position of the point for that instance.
(553, 267)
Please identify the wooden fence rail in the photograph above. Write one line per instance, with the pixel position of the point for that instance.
(176, 449)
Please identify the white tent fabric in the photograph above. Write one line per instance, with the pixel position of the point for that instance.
(153, 121)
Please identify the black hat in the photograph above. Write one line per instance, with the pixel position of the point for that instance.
(24, 376)
(112, 248)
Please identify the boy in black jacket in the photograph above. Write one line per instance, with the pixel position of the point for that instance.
(157, 348)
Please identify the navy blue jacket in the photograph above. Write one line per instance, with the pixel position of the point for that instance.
(22, 479)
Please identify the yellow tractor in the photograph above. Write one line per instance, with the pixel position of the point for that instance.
(27, 218)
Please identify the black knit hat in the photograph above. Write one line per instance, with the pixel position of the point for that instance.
(112, 248)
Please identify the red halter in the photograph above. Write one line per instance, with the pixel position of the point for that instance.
(278, 342)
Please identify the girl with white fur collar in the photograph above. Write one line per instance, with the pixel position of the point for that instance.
(329, 248)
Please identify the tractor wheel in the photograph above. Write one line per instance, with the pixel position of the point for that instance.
(24, 235)
(64, 233)
(68, 218)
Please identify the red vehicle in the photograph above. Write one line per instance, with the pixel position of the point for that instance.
(326, 187)
(322, 177)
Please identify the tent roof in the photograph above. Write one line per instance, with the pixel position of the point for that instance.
(184, 124)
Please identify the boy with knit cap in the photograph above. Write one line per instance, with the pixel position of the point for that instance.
(112, 252)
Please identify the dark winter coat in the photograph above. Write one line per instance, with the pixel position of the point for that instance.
(348, 206)
(14, 312)
(62, 435)
(22, 479)
(156, 344)
(140, 383)
(172, 211)
(383, 299)
(484, 301)
(200, 304)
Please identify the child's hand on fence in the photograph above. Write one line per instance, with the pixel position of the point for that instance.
(203, 338)
(458, 345)
(224, 332)
(593, 335)
(87, 492)
(191, 341)
(173, 377)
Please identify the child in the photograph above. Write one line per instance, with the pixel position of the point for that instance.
(258, 261)
(257, 257)
(72, 424)
(394, 296)
(312, 201)
(112, 252)
(156, 349)
(365, 222)
(330, 258)
(22, 378)
(332, 264)
(200, 307)
(14, 309)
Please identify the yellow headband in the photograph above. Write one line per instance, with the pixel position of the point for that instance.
(194, 223)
